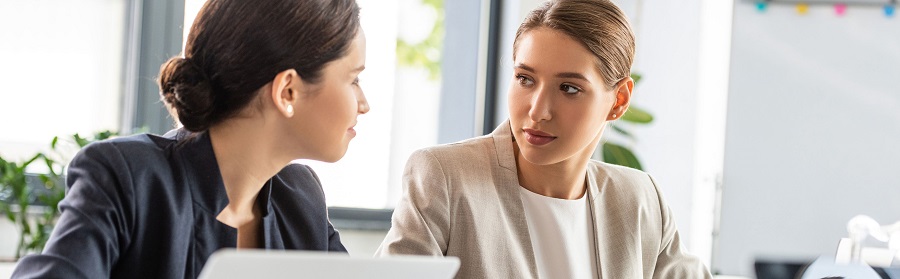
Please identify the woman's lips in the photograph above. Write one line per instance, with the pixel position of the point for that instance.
(536, 137)
(352, 132)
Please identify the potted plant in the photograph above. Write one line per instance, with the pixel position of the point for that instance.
(30, 200)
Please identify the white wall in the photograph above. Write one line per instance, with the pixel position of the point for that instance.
(9, 239)
(362, 243)
(61, 71)
(667, 57)
(812, 132)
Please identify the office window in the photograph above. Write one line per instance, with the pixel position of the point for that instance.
(62, 70)
(401, 83)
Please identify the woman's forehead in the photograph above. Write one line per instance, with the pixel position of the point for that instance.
(545, 50)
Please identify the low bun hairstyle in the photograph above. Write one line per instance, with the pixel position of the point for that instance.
(235, 47)
(598, 24)
(185, 88)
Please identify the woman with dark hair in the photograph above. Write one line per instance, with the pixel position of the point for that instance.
(261, 83)
(527, 201)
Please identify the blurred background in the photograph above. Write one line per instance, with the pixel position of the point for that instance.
(767, 124)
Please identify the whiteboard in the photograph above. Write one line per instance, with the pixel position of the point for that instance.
(813, 131)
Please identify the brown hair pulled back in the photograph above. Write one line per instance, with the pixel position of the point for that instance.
(598, 24)
(237, 46)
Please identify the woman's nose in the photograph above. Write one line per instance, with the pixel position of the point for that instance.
(362, 103)
(540, 106)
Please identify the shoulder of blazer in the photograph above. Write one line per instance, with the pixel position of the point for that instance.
(623, 182)
(300, 178)
(460, 166)
(119, 166)
(143, 149)
(465, 150)
(134, 143)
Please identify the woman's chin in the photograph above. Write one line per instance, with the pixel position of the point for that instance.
(329, 156)
(334, 158)
(538, 157)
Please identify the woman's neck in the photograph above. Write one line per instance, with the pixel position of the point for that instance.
(562, 180)
(246, 161)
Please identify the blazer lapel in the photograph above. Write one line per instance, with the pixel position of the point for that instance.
(614, 228)
(593, 191)
(503, 141)
(271, 232)
(506, 180)
(200, 173)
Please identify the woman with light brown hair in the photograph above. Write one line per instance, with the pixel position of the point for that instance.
(527, 201)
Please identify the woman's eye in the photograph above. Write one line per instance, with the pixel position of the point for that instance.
(569, 89)
(356, 80)
(524, 81)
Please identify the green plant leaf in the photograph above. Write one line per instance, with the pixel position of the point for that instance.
(32, 244)
(26, 227)
(80, 141)
(44, 178)
(10, 216)
(620, 155)
(637, 115)
(24, 165)
(54, 142)
(102, 135)
(622, 131)
(49, 162)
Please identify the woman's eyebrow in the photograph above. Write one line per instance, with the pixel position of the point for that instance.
(359, 69)
(525, 67)
(572, 75)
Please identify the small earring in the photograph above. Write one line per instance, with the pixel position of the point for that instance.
(614, 115)
(290, 110)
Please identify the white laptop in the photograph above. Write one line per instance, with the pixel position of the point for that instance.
(230, 263)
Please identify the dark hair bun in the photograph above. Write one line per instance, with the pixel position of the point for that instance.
(235, 47)
(187, 90)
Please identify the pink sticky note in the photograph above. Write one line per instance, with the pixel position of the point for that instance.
(840, 9)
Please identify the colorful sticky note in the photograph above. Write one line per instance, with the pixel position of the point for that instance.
(889, 10)
(761, 6)
(840, 9)
(802, 8)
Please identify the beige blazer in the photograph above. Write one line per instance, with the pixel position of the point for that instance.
(462, 200)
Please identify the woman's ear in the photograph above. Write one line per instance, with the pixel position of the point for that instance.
(285, 91)
(623, 98)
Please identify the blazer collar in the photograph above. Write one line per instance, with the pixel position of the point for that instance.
(201, 169)
(202, 174)
(503, 143)
(593, 174)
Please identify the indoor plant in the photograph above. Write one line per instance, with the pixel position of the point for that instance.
(30, 200)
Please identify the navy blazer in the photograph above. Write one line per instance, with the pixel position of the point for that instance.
(145, 206)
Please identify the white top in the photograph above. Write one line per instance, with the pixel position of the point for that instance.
(562, 235)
